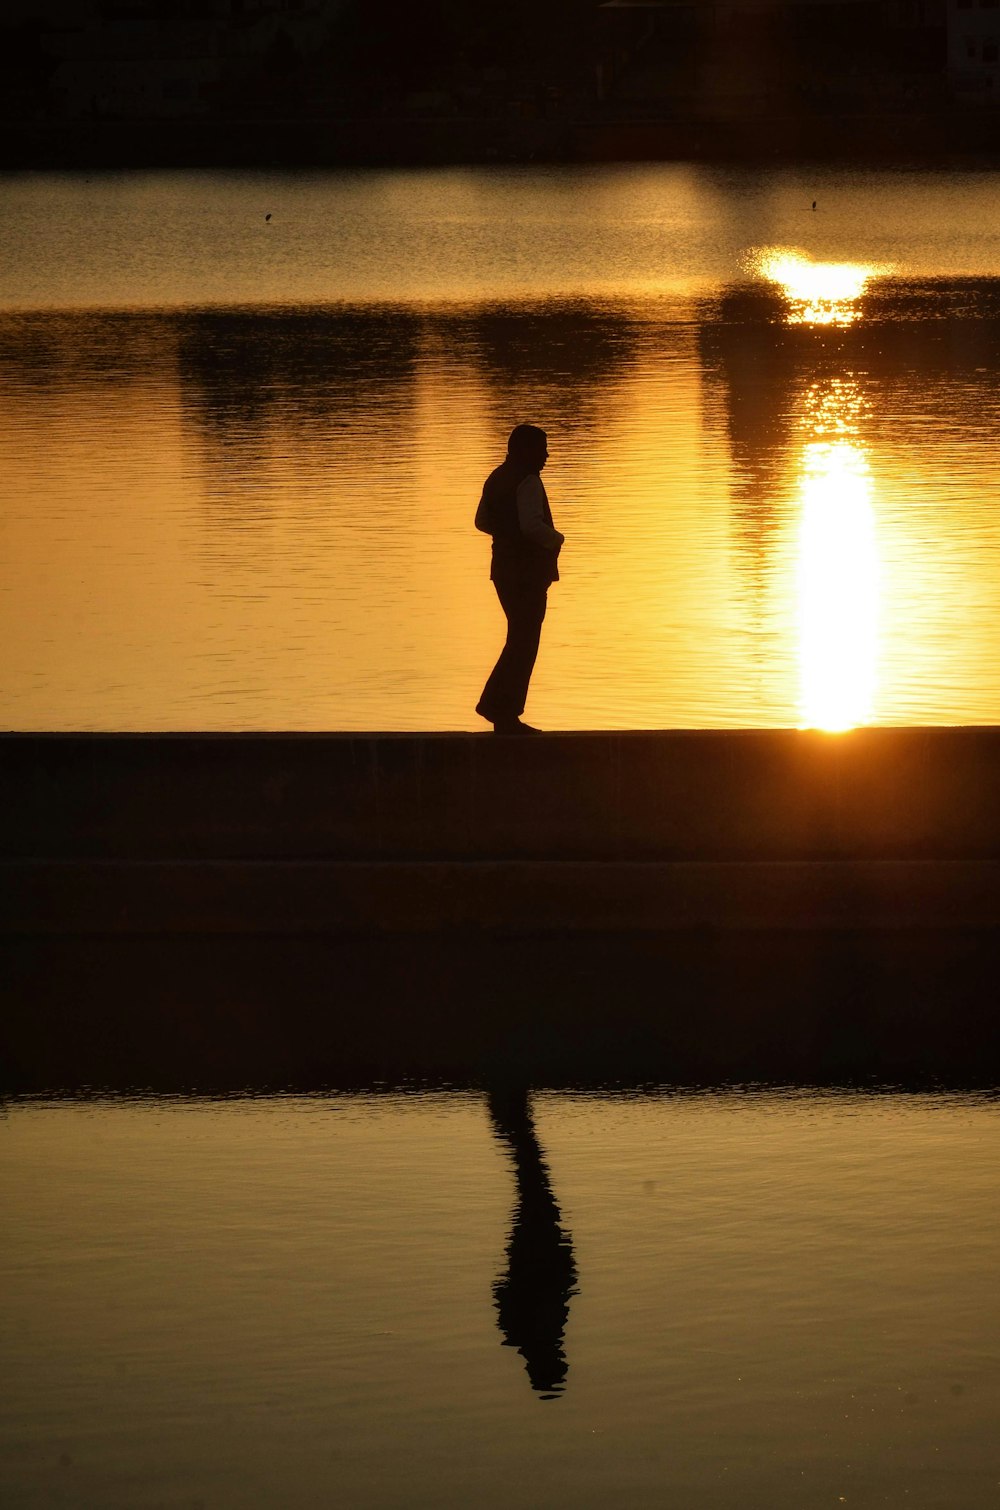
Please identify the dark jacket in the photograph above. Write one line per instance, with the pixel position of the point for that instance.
(515, 557)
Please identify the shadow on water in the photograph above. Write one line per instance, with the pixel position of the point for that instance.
(532, 1296)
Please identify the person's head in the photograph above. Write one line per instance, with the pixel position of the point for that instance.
(527, 445)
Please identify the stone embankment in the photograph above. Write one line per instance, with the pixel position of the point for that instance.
(693, 903)
(302, 832)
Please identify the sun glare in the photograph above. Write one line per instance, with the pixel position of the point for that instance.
(838, 588)
(818, 293)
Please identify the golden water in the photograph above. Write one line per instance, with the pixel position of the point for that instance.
(770, 1300)
(241, 457)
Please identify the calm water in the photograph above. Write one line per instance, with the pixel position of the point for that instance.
(241, 458)
(720, 1300)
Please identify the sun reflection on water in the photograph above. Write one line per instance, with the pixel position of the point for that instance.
(818, 293)
(838, 560)
(838, 581)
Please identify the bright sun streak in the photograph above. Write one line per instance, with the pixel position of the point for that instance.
(819, 293)
(838, 563)
(838, 588)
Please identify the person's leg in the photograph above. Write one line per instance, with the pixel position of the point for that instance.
(506, 690)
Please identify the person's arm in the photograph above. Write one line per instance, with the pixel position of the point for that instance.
(483, 516)
(531, 515)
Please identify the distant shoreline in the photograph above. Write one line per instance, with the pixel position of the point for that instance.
(905, 141)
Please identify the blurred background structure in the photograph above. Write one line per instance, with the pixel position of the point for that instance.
(330, 81)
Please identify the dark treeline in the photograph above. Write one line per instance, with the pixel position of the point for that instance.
(327, 81)
(435, 39)
(348, 55)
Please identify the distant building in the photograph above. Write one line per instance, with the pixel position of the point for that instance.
(974, 50)
(129, 68)
(752, 59)
(148, 59)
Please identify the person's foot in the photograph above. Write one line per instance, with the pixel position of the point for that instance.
(513, 726)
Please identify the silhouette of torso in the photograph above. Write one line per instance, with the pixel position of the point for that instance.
(513, 554)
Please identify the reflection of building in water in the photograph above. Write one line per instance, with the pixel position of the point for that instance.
(558, 363)
(319, 391)
(532, 1296)
(274, 392)
(755, 366)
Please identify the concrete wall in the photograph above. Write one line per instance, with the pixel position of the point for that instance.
(871, 794)
(190, 1011)
(224, 911)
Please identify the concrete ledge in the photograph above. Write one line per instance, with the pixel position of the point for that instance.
(236, 910)
(677, 1006)
(535, 897)
(877, 794)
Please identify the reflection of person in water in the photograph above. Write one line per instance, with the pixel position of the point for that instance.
(532, 1297)
(514, 509)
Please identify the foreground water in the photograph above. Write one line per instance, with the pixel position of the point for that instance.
(711, 1300)
(241, 455)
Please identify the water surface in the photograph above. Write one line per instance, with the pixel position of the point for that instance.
(739, 1299)
(241, 457)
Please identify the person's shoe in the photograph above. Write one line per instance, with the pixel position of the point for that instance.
(513, 726)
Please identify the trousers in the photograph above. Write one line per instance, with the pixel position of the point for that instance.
(506, 691)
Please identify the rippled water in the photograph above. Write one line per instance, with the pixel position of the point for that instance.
(241, 457)
(453, 1299)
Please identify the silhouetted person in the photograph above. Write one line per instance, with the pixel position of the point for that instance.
(514, 509)
(532, 1297)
